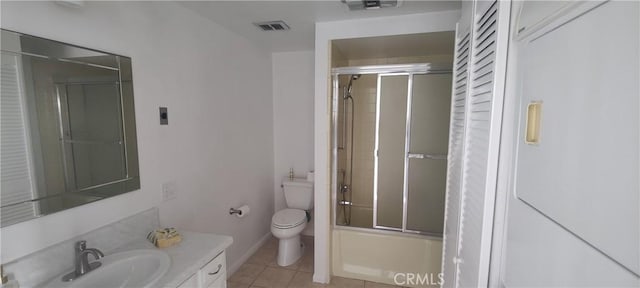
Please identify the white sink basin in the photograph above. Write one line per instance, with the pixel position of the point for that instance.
(134, 268)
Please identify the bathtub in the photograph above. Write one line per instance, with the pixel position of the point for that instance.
(381, 256)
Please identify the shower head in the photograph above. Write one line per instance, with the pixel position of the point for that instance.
(353, 77)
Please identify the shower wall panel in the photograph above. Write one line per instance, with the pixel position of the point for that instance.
(364, 99)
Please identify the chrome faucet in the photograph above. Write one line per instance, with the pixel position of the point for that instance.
(82, 265)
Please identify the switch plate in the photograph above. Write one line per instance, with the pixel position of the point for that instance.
(164, 116)
(168, 191)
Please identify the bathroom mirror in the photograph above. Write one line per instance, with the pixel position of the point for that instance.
(68, 132)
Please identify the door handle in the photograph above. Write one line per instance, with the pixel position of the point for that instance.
(532, 134)
(426, 156)
(416, 155)
(217, 271)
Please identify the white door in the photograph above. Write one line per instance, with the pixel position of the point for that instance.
(455, 157)
(474, 143)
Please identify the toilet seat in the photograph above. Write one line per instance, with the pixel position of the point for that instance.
(288, 218)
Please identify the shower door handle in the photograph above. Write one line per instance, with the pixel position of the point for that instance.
(415, 155)
(427, 156)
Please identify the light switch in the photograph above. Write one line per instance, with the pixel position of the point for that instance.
(164, 116)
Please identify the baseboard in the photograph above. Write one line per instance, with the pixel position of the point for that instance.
(235, 266)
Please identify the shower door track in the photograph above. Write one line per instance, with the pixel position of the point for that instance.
(421, 235)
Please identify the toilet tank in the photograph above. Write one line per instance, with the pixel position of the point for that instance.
(298, 193)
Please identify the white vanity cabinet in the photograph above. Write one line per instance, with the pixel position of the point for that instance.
(193, 281)
(211, 275)
(198, 261)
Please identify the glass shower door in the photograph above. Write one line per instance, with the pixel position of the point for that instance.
(390, 151)
(411, 152)
(427, 157)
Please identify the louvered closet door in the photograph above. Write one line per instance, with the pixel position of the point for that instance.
(16, 184)
(484, 110)
(456, 149)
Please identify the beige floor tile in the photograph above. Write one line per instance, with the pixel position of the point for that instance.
(269, 247)
(247, 273)
(368, 284)
(339, 282)
(424, 286)
(293, 266)
(273, 277)
(304, 280)
(308, 252)
(236, 285)
(263, 256)
(272, 243)
(306, 262)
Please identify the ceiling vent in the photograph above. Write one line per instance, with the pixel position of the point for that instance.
(272, 25)
(371, 4)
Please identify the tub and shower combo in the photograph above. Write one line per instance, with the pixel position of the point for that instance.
(390, 127)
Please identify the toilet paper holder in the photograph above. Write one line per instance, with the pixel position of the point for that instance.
(240, 212)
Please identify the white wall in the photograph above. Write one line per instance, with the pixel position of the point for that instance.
(292, 117)
(218, 146)
(325, 32)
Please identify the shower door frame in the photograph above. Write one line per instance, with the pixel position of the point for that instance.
(381, 70)
(405, 166)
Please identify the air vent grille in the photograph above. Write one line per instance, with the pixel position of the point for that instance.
(272, 26)
(355, 5)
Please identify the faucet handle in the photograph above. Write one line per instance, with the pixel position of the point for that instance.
(81, 245)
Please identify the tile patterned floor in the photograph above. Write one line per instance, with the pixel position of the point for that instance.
(261, 270)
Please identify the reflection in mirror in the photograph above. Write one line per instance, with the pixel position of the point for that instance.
(68, 127)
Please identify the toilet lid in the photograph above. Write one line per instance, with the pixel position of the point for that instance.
(288, 218)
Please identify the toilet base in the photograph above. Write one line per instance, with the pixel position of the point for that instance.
(290, 250)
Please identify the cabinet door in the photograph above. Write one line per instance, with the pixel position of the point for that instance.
(221, 282)
(583, 172)
(214, 272)
(192, 282)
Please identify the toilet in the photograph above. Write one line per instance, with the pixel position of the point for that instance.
(287, 224)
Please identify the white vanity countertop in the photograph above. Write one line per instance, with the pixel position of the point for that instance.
(187, 257)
